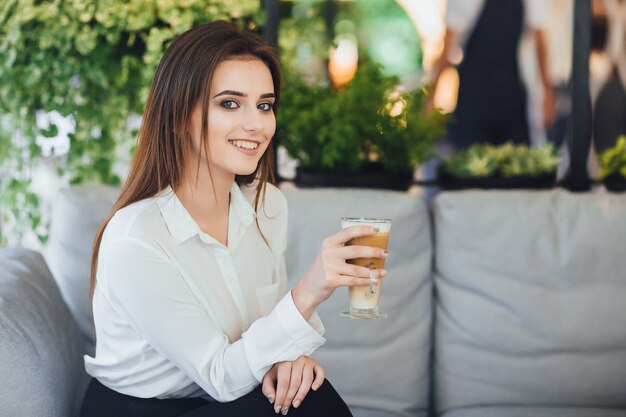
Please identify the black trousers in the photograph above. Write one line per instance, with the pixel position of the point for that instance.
(101, 401)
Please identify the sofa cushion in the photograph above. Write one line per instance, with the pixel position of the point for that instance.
(380, 367)
(76, 215)
(41, 365)
(518, 411)
(531, 288)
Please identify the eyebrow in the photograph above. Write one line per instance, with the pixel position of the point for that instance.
(240, 94)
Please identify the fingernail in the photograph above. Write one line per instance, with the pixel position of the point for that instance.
(375, 229)
(383, 273)
(315, 387)
(270, 399)
(277, 409)
(284, 411)
(296, 404)
(385, 254)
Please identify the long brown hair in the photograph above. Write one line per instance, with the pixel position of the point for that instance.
(182, 81)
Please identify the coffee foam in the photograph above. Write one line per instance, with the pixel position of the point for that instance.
(383, 225)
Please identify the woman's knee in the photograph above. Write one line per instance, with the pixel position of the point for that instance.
(325, 401)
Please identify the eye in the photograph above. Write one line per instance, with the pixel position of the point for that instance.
(264, 106)
(229, 104)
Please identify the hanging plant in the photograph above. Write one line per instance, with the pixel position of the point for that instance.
(89, 60)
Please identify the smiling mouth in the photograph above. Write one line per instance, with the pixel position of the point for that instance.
(244, 144)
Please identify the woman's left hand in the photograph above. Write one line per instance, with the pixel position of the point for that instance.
(287, 383)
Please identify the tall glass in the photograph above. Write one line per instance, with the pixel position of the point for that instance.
(364, 298)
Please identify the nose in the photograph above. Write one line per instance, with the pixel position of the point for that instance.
(252, 120)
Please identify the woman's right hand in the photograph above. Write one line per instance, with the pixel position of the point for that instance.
(287, 383)
(330, 269)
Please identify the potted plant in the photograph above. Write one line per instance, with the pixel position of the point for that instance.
(503, 166)
(612, 162)
(367, 134)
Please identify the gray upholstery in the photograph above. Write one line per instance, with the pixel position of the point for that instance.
(76, 215)
(520, 411)
(378, 366)
(41, 367)
(531, 304)
(78, 212)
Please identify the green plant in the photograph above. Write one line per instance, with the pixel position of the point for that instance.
(92, 61)
(507, 160)
(367, 121)
(613, 160)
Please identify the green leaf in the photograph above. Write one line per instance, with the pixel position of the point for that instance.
(51, 132)
(613, 160)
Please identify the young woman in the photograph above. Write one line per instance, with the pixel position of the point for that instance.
(188, 275)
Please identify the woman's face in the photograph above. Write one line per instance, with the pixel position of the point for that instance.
(241, 121)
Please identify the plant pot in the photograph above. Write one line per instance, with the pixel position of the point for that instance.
(615, 182)
(448, 181)
(370, 176)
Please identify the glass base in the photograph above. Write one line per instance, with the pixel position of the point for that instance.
(355, 313)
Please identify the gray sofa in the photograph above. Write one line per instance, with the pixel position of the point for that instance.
(500, 304)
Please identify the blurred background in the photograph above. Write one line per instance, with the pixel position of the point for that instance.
(370, 85)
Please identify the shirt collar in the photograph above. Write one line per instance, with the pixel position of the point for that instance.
(182, 226)
(241, 205)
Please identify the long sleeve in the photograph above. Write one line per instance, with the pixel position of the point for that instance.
(536, 14)
(461, 15)
(141, 281)
(284, 323)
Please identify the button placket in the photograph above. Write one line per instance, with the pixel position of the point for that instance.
(226, 264)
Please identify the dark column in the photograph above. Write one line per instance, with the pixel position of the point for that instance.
(329, 12)
(270, 35)
(270, 29)
(579, 124)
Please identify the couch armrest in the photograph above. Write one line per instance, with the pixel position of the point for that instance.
(41, 362)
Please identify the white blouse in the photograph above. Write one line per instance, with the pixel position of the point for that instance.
(178, 314)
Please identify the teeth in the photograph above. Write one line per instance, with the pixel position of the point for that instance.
(244, 144)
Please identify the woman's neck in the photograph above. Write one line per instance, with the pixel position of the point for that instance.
(207, 201)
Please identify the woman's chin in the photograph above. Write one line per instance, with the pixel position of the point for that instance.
(245, 171)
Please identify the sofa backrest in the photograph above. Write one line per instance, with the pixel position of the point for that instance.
(380, 367)
(531, 290)
(76, 215)
(395, 350)
(41, 366)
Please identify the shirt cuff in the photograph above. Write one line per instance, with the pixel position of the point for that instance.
(316, 323)
(307, 334)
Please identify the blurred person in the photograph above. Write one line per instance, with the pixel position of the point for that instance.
(492, 100)
(608, 72)
(188, 282)
(559, 34)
